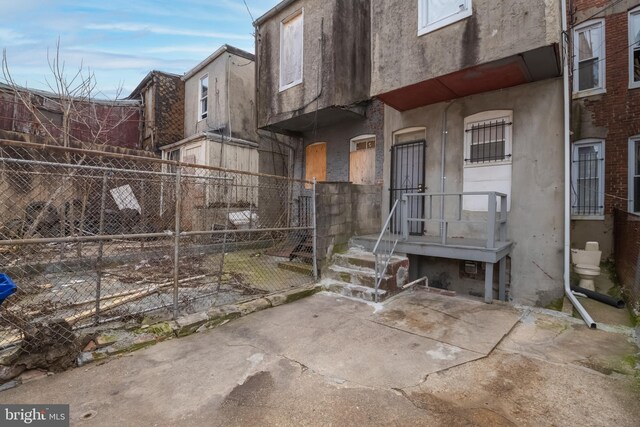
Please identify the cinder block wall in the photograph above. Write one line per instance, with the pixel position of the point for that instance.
(344, 210)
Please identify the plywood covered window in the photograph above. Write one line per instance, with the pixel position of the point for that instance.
(362, 160)
(316, 162)
(291, 50)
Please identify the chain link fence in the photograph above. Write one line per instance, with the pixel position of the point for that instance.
(91, 237)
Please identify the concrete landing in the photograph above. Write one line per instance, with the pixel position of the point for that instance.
(419, 359)
(466, 324)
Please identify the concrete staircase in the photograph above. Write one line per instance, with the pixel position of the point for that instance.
(353, 274)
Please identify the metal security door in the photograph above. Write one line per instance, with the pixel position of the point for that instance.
(407, 176)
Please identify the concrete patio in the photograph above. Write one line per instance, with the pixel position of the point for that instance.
(419, 359)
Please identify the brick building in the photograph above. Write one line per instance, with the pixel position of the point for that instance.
(99, 122)
(162, 97)
(605, 38)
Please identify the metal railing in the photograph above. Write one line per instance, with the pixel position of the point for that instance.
(385, 247)
(496, 221)
(90, 237)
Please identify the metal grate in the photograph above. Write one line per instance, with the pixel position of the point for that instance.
(488, 142)
(587, 197)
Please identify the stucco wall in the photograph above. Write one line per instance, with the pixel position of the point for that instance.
(217, 117)
(536, 216)
(336, 59)
(495, 30)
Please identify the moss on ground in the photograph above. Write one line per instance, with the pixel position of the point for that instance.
(556, 304)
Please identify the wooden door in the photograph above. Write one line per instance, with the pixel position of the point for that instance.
(316, 162)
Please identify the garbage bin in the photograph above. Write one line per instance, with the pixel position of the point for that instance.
(7, 287)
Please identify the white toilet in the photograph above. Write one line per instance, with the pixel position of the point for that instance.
(586, 264)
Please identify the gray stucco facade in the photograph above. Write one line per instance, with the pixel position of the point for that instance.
(495, 30)
(536, 216)
(336, 63)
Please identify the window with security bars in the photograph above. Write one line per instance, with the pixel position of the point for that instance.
(588, 179)
(634, 175)
(488, 142)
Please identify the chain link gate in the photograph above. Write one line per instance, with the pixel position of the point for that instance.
(91, 237)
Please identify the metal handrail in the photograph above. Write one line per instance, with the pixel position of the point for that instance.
(385, 226)
(493, 219)
(383, 257)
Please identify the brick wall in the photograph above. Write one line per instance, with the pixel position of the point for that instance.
(344, 210)
(121, 120)
(615, 115)
(338, 139)
(627, 254)
(169, 97)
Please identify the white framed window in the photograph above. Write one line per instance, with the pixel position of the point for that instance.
(435, 14)
(488, 144)
(589, 58)
(634, 48)
(634, 174)
(203, 108)
(488, 138)
(291, 50)
(587, 179)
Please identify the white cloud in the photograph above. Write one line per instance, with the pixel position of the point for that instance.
(158, 29)
(9, 37)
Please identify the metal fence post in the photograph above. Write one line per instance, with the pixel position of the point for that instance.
(315, 232)
(103, 200)
(491, 221)
(226, 228)
(176, 240)
(504, 215)
(404, 217)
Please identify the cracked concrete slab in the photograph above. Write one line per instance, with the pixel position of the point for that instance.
(467, 324)
(364, 352)
(509, 389)
(327, 360)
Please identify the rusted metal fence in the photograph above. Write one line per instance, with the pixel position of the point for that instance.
(90, 237)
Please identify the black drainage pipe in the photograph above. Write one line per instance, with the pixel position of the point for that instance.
(615, 302)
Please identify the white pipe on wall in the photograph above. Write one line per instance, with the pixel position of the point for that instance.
(567, 175)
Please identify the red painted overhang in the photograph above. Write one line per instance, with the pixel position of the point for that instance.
(504, 73)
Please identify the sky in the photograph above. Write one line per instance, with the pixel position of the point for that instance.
(121, 40)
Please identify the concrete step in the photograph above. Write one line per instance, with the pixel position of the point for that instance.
(360, 276)
(356, 257)
(296, 267)
(354, 291)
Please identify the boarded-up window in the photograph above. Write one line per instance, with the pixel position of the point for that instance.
(316, 162)
(362, 160)
(291, 47)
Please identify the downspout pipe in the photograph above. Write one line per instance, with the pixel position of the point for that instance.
(567, 174)
(443, 145)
